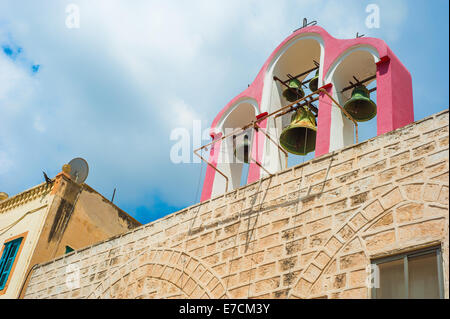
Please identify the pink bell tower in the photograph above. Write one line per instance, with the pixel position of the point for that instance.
(340, 62)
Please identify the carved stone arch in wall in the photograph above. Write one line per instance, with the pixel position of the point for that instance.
(161, 273)
(432, 193)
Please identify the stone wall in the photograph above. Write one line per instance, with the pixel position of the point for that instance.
(306, 232)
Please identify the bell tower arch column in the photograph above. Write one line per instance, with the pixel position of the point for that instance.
(394, 94)
(324, 122)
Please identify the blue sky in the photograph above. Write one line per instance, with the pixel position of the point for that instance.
(112, 90)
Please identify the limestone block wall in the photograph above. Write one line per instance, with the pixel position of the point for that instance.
(306, 232)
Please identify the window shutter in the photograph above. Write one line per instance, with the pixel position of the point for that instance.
(7, 260)
(3, 260)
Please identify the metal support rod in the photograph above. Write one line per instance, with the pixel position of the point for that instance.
(291, 77)
(286, 107)
(302, 83)
(288, 111)
(257, 127)
(216, 169)
(257, 121)
(287, 87)
(250, 155)
(254, 125)
(257, 163)
(251, 124)
(303, 73)
(238, 130)
(307, 81)
(308, 103)
(358, 82)
(344, 111)
(276, 112)
(313, 108)
(279, 80)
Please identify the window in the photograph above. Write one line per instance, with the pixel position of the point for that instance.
(7, 260)
(414, 275)
(69, 249)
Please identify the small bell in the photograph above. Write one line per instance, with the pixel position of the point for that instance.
(314, 83)
(360, 106)
(299, 137)
(294, 92)
(241, 152)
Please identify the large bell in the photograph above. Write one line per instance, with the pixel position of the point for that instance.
(299, 137)
(360, 106)
(314, 83)
(242, 150)
(295, 91)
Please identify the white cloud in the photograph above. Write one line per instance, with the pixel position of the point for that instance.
(180, 114)
(5, 163)
(16, 86)
(38, 124)
(393, 16)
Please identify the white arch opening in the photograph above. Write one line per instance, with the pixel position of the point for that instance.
(241, 114)
(296, 57)
(359, 62)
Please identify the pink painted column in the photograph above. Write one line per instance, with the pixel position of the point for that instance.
(324, 122)
(394, 95)
(211, 172)
(254, 171)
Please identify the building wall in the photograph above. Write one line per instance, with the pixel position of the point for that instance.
(78, 217)
(306, 232)
(23, 215)
(94, 219)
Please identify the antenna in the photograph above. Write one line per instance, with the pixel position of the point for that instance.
(306, 24)
(114, 193)
(79, 170)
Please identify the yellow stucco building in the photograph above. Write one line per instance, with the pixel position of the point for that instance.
(48, 221)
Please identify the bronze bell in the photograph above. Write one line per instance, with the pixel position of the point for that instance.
(299, 137)
(314, 83)
(294, 92)
(360, 106)
(241, 151)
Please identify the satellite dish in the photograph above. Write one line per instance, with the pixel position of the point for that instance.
(79, 170)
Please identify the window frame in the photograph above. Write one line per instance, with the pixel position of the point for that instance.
(16, 258)
(410, 254)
